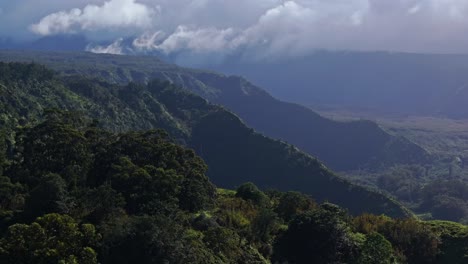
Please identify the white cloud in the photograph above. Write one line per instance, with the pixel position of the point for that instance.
(113, 14)
(414, 9)
(114, 48)
(184, 38)
(148, 41)
(269, 28)
(286, 29)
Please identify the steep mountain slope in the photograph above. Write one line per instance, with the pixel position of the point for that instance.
(75, 193)
(233, 152)
(339, 145)
(387, 82)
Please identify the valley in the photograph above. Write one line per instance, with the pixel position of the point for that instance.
(445, 139)
(401, 83)
(438, 135)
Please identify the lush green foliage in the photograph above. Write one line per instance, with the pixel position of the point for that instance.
(333, 241)
(376, 249)
(64, 167)
(74, 193)
(53, 238)
(429, 193)
(234, 153)
(360, 144)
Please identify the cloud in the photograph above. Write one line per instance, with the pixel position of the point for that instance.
(265, 29)
(184, 38)
(113, 48)
(148, 41)
(286, 29)
(114, 14)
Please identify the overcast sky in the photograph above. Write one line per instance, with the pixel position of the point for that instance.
(266, 28)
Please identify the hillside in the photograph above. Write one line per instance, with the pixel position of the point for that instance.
(75, 193)
(359, 144)
(233, 152)
(376, 82)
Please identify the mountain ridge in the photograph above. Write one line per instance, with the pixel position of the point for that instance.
(234, 152)
(292, 123)
(388, 82)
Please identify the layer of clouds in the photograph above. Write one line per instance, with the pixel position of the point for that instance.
(113, 48)
(263, 28)
(114, 14)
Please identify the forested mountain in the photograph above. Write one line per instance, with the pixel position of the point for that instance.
(74, 193)
(382, 82)
(233, 152)
(77, 185)
(339, 145)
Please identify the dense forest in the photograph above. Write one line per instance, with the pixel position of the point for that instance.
(361, 144)
(430, 193)
(360, 150)
(96, 172)
(75, 193)
(234, 153)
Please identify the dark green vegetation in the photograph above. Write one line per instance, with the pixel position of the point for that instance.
(419, 188)
(436, 190)
(75, 193)
(81, 186)
(339, 145)
(233, 152)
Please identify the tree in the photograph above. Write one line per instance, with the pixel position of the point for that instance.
(292, 203)
(151, 239)
(49, 196)
(99, 204)
(53, 147)
(197, 193)
(249, 192)
(415, 240)
(223, 242)
(3, 150)
(147, 190)
(449, 208)
(11, 194)
(376, 250)
(264, 224)
(53, 238)
(321, 235)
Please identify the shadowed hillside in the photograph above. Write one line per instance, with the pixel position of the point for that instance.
(233, 152)
(341, 146)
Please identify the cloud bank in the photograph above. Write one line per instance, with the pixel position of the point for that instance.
(265, 29)
(115, 14)
(113, 48)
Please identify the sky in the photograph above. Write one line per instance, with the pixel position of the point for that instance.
(258, 29)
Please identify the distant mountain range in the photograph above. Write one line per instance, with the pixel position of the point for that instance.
(381, 82)
(59, 42)
(341, 146)
(388, 83)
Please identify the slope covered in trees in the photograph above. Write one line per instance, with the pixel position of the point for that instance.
(233, 152)
(360, 144)
(74, 193)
